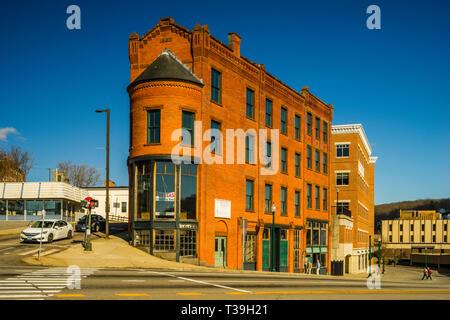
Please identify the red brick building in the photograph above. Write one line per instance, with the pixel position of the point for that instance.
(220, 214)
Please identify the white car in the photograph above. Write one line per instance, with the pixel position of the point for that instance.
(51, 230)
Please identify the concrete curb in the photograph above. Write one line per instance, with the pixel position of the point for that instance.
(10, 232)
(142, 260)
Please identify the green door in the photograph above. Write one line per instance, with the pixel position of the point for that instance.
(266, 255)
(283, 256)
(220, 251)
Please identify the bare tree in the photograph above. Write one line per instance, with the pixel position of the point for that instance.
(80, 175)
(15, 164)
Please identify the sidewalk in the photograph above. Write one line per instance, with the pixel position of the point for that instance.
(117, 253)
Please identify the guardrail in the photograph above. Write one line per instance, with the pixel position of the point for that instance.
(341, 210)
(118, 218)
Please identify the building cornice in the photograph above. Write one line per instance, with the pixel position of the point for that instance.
(353, 128)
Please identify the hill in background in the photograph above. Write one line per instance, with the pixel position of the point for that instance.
(392, 210)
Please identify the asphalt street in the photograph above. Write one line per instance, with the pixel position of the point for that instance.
(20, 281)
(136, 284)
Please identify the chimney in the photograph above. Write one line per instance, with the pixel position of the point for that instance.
(234, 42)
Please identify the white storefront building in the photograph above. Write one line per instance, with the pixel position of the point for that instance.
(25, 201)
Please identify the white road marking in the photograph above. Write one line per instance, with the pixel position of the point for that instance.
(28, 252)
(23, 296)
(202, 282)
(39, 283)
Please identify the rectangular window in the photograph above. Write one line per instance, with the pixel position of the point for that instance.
(325, 163)
(324, 199)
(325, 132)
(164, 240)
(250, 103)
(317, 160)
(249, 195)
(342, 150)
(188, 201)
(308, 196)
(283, 160)
(153, 126)
(297, 203)
(268, 198)
(309, 123)
(268, 155)
(297, 165)
(342, 179)
(215, 136)
(283, 120)
(298, 126)
(309, 157)
(317, 198)
(188, 243)
(269, 109)
(216, 86)
(317, 128)
(283, 201)
(124, 207)
(250, 149)
(187, 123)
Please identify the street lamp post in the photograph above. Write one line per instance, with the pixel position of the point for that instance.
(370, 255)
(274, 209)
(337, 200)
(107, 170)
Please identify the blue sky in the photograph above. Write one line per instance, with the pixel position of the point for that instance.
(394, 81)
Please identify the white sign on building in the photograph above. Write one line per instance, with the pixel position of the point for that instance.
(222, 209)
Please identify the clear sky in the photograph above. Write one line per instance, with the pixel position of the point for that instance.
(394, 81)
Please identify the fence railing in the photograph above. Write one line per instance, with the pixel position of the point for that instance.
(118, 218)
(341, 210)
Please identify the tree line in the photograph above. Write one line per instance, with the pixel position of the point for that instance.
(15, 166)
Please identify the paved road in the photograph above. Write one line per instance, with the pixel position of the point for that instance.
(12, 251)
(136, 284)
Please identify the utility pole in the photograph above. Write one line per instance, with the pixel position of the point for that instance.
(107, 170)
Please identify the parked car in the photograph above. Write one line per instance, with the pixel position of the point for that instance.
(98, 223)
(47, 231)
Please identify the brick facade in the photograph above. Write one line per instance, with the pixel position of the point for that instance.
(201, 52)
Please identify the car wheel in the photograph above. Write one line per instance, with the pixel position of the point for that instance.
(69, 234)
(50, 238)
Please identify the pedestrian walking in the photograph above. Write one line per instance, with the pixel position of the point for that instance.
(425, 273)
(309, 267)
(429, 274)
(318, 267)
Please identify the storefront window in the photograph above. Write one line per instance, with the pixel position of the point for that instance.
(2, 209)
(164, 240)
(188, 243)
(165, 190)
(52, 209)
(144, 190)
(323, 235)
(188, 205)
(16, 209)
(34, 209)
(315, 237)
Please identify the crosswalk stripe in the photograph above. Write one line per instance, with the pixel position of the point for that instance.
(23, 296)
(28, 252)
(39, 284)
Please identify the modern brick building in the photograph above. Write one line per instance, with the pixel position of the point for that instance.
(352, 193)
(221, 214)
(417, 236)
